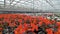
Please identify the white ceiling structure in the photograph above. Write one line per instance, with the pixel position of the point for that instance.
(29, 5)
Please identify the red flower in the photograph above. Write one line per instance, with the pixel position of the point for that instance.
(49, 31)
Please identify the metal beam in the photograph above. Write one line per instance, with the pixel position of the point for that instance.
(49, 4)
(4, 3)
(12, 1)
(52, 4)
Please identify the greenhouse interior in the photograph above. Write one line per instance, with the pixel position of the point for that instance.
(29, 16)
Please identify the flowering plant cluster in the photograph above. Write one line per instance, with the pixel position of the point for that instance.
(25, 24)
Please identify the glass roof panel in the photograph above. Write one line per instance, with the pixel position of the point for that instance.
(31, 4)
